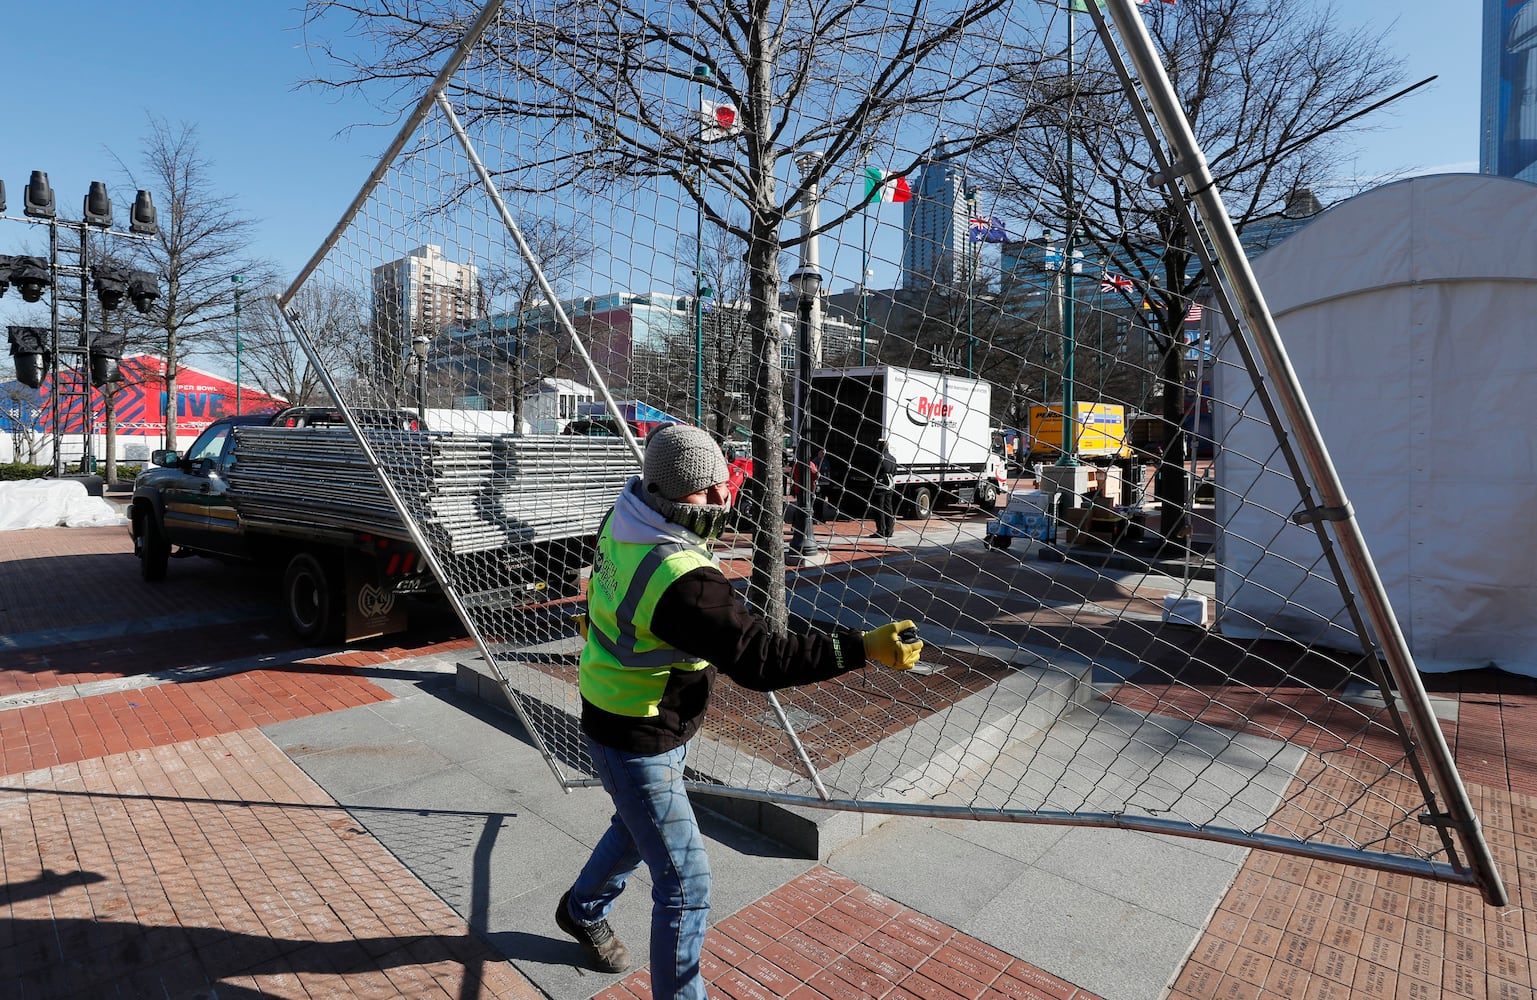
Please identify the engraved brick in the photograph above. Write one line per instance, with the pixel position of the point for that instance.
(1286, 981)
(1197, 980)
(1250, 966)
(1374, 980)
(1334, 964)
(1296, 950)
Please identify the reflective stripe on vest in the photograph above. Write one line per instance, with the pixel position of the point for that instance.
(625, 667)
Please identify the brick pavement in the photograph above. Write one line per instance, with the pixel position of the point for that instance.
(155, 843)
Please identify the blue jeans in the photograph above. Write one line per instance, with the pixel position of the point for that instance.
(653, 822)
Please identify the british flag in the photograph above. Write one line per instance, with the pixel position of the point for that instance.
(1115, 283)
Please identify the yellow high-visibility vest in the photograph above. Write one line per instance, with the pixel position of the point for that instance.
(624, 666)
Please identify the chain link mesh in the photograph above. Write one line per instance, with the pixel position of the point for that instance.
(1078, 435)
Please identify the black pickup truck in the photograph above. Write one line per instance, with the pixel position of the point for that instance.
(292, 491)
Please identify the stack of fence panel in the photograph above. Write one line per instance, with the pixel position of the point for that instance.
(467, 492)
(558, 486)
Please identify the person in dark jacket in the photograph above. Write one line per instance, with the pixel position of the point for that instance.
(662, 621)
(884, 492)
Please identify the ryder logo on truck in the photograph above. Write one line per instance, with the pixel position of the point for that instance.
(925, 410)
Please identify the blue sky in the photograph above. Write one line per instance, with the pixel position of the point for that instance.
(98, 67)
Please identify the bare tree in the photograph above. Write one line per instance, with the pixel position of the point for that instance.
(337, 321)
(201, 243)
(817, 86)
(720, 312)
(21, 409)
(1269, 87)
(510, 368)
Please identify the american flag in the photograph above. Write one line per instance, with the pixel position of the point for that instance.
(1194, 315)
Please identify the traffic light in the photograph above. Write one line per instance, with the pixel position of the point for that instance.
(37, 200)
(143, 289)
(29, 351)
(106, 351)
(30, 276)
(98, 205)
(110, 283)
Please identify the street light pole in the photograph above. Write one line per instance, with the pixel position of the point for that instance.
(972, 257)
(1069, 438)
(420, 346)
(806, 284)
(238, 280)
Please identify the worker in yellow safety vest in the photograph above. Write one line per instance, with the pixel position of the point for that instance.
(661, 620)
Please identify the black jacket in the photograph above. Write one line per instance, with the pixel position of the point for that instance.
(702, 615)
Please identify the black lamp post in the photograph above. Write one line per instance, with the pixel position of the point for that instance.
(803, 546)
(421, 344)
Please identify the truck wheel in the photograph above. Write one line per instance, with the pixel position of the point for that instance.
(312, 592)
(922, 502)
(153, 550)
(987, 495)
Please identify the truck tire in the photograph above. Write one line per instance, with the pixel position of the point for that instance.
(312, 595)
(922, 501)
(151, 547)
(987, 495)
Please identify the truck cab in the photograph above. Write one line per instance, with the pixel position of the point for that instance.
(185, 498)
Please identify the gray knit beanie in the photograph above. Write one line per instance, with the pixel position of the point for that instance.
(681, 459)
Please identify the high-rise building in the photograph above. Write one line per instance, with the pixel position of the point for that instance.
(936, 227)
(422, 293)
(1508, 112)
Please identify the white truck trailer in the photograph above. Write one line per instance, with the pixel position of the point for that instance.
(936, 425)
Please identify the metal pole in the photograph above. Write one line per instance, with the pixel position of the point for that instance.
(55, 406)
(802, 537)
(970, 272)
(87, 393)
(237, 279)
(1069, 439)
(1190, 169)
(864, 276)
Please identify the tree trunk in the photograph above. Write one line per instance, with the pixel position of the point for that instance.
(170, 392)
(766, 585)
(109, 410)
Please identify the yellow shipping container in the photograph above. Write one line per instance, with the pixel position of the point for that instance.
(1099, 429)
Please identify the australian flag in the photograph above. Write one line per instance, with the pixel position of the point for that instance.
(988, 230)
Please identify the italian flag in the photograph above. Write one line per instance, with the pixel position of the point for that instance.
(885, 187)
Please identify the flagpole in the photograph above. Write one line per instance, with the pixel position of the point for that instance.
(970, 271)
(864, 271)
(701, 73)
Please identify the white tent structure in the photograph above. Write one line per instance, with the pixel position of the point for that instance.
(1408, 313)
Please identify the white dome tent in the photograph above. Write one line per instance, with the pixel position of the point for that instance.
(1408, 315)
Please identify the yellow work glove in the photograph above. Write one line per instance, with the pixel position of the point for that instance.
(896, 645)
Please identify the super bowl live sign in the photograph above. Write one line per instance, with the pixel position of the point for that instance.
(937, 411)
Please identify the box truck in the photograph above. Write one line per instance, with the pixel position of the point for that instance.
(1099, 430)
(936, 425)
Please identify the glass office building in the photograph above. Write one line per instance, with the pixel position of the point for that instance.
(1508, 115)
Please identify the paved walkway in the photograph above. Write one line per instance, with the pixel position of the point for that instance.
(156, 841)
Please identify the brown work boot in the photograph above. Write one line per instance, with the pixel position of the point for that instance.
(602, 945)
